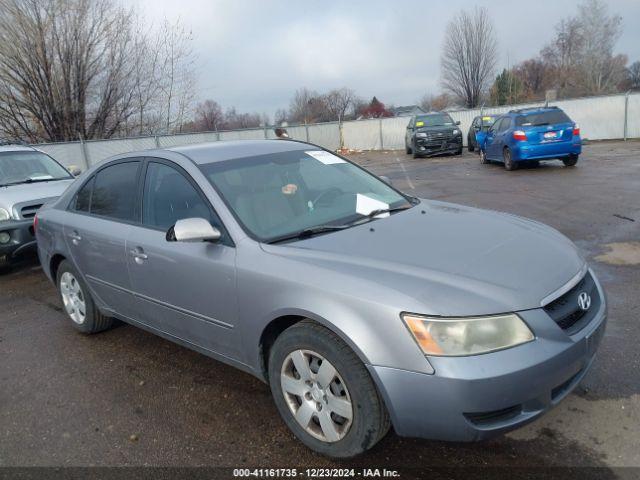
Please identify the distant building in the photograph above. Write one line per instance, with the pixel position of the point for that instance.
(406, 111)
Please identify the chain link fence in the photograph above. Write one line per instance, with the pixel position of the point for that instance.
(600, 118)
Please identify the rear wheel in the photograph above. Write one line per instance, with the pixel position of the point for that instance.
(509, 164)
(571, 161)
(77, 301)
(324, 393)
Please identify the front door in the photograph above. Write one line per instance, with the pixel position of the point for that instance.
(186, 290)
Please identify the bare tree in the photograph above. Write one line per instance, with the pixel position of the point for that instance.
(581, 54)
(534, 74)
(469, 55)
(338, 102)
(633, 76)
(601, 70)
(66, 68)
(307, 106)
(177, 73)
(209, 116)
(430, 102)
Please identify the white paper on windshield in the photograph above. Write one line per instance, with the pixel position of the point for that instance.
(324, 157)
(365, 205)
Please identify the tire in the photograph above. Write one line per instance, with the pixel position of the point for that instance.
(416, 154)
(75, 296)
(571, 161)
(509, 164)
(407, 149)
(459, 152)
(470, 146)
(305, 343)
(483, 157)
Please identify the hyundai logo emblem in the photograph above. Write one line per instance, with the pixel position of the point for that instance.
(584, 301)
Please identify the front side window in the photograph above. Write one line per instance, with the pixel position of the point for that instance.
(114, 191)
(29, 167)
(276, 195)
(169, 197)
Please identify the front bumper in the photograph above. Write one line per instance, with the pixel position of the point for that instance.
(426, 146)
(22, 239)
(548, 150)
(477, 397)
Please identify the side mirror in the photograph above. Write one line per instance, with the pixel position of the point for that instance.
(458, 122)
(409, 127)
(74, 170)
(385, 179)
(193, 230)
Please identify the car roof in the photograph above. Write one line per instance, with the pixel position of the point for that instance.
(526, 111)
(16, 148)
(204, 153)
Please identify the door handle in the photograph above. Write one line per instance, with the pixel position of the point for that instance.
(75, 238)
(138, 255)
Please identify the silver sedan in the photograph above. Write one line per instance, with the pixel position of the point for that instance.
(362, 307)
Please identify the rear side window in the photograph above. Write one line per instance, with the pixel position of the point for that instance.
(549, 117)
(83, 197)
(114, 191)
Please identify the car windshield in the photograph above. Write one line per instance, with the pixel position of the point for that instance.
(487, 121)
(435, 120)
(276, 196)
(549, 117)
(28, 167)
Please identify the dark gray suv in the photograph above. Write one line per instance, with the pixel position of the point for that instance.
(361, 307)
(433, 133)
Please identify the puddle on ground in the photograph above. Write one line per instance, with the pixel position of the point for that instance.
(621, 253)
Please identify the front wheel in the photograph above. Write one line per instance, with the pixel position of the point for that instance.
(324, 393)
(571, 161)
(407, 149)
(78, 303)
(483, 157)
(509, 164)
(470, 145)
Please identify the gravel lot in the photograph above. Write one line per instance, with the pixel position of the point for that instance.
(128, 398)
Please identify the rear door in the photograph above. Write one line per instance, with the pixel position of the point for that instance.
(187, 290)
(96, 229)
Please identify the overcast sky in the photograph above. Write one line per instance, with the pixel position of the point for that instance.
(253, 54)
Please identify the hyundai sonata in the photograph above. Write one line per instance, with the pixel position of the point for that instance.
(360, 306)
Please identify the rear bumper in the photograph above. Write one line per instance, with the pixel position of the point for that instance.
(478, 397)
(22, 240)
(549, 150)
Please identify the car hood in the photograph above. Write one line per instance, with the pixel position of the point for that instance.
(452, 260)
(31, 192)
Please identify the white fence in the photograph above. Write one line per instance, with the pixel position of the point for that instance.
(599, 118)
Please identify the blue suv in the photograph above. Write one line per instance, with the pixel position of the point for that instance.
(530, 135)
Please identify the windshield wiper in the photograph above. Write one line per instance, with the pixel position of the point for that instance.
(380, 211)
(308, 232)
(33, 180)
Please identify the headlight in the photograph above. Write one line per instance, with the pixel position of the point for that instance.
(454, 337)
(4, 215)
(457, 132)
(421, 135)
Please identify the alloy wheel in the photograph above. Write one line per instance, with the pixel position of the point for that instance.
(73, 298)
(316, 395)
